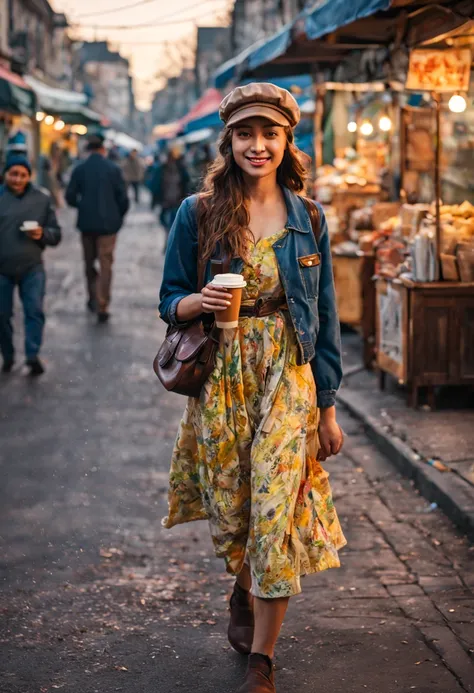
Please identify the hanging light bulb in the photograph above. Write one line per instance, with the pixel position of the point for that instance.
(352, 126)
(59, 125)
(79, 129)
(40, 116)
(366, 128)
(385, 124)
(457, 103)
(49, 120)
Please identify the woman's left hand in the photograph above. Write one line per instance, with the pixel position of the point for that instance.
(331, 438)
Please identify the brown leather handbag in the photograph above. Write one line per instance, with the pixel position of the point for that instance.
(187, 356)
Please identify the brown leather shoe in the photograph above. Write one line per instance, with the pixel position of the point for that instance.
(241, 625)
(259, 677)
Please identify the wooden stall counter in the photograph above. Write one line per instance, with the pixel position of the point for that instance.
(425, 334)
(355, 294)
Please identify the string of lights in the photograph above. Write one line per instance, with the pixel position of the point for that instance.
(158, 21)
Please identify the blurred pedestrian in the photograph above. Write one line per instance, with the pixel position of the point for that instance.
(249, 449)
(133, 171)
(114, 154)
(27, 225)
(201, 161)
(172, 186)
(98, 190)
(152, 180)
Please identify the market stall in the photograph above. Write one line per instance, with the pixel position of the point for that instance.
(359, 52)
(425, 265)
(17, 114)
(63, 117)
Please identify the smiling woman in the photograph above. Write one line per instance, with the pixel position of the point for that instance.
(249, 450)
(257, 144)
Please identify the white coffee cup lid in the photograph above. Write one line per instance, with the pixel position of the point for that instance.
(230, 281)
(30, 224)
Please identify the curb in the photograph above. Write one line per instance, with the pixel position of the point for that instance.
(445, 489)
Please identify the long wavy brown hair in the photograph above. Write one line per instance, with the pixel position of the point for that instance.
(222, 210)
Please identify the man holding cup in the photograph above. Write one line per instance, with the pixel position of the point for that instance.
(27, 225)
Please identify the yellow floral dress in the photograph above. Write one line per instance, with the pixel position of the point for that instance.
(245, 454)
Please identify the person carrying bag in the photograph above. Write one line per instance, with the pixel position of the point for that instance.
(253, 436)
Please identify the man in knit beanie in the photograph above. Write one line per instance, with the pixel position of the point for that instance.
(27, 225)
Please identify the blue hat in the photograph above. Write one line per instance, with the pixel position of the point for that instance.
(17, 160)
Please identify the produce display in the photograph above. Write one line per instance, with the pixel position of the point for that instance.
(405, 243)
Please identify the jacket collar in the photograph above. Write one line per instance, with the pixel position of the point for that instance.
(5, 189)
(297, 215)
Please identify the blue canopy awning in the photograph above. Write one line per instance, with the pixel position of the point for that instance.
(322, 19)
(272, 48)
(211, 120)
(333, 14)
(255, 55)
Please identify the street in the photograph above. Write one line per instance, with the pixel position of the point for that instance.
(96, 597)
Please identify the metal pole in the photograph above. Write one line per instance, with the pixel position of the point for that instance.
(437, 100)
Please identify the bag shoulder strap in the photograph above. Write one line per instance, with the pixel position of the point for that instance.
(201, 268)
(314, 216)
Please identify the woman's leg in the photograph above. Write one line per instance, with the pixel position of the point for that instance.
(269, 615)
(244, 579)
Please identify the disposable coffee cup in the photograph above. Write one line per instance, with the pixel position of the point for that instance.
(233, 283)
(29, 226)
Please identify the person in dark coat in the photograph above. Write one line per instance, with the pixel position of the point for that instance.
(27, 225)
(152, 180)
(172, 186)
(98, 190)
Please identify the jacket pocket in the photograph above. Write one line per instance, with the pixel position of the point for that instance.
(310, 260)
(309, 268)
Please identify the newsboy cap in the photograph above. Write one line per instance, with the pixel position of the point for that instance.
(260, 99)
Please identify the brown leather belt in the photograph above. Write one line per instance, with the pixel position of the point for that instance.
(263, 307)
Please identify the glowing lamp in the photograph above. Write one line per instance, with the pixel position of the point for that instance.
(366, 128)
(79, 129)
(385, 124)
(457, 103)
(352, 126)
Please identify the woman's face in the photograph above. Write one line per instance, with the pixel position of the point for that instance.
(258, 147)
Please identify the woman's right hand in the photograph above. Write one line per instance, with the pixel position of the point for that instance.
(214, 298)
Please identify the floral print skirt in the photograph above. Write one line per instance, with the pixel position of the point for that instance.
(245, 457)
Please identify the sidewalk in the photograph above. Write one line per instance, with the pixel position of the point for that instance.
(97, 597)
(413, 439)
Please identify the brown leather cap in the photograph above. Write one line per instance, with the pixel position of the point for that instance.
(260, 99)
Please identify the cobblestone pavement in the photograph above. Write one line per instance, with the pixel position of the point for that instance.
(97, 597)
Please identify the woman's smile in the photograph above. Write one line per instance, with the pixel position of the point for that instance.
(258, 160)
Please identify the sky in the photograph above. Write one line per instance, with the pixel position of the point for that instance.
(169, 22)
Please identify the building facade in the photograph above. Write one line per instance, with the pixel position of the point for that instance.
(4, 47)
(253, 20)
(213, 48)
(175, 99)
(37, 40)
(108, 83)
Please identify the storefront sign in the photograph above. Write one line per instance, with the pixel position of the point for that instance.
(439, 70)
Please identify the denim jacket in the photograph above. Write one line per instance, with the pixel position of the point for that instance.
(307, 281)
